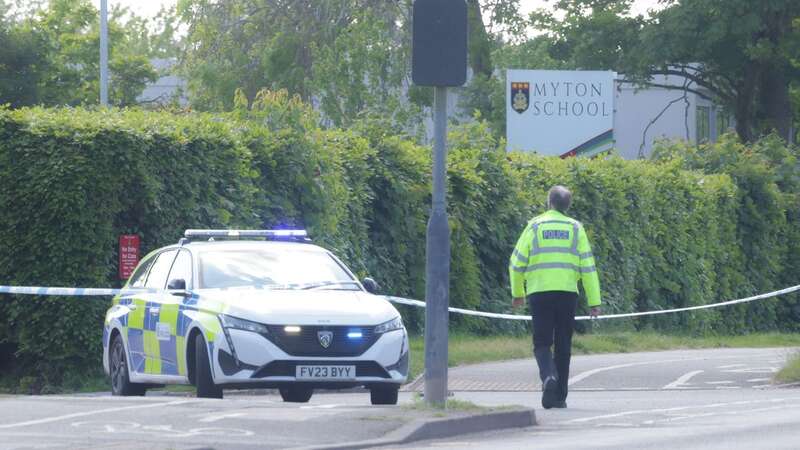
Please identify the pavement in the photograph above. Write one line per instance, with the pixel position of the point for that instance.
(178, 421)
(717, 398)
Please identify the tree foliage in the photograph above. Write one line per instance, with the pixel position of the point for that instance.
(50, 56)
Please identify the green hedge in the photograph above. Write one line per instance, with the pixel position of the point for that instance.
(697, 225)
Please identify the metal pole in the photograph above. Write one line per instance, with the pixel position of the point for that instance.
(103, 52)
(437, 281)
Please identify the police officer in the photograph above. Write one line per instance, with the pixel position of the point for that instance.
(551, 256)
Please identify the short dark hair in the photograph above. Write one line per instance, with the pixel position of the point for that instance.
(559, 198)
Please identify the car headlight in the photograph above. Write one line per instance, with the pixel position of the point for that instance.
(394, 324)
(235, 323)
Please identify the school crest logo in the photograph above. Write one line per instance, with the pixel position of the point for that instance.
(520, 96)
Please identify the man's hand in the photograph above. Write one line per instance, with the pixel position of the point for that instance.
(518, 302)
(594, 312)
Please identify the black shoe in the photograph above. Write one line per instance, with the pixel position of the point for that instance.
(549, 392)
(561, 404)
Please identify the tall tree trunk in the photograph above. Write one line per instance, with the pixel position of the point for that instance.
(480, 59)
(775, 101)
(745, 103)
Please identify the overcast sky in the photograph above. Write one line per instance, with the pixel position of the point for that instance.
(149, 8)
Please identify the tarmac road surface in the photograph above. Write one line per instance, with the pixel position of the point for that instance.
(711, 399)
(686, 399)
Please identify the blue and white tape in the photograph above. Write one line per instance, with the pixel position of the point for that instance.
(81, 292)
(469, 312)
(70, 292)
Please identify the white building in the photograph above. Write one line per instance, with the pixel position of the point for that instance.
(558, 112)
(167, 88)
(643, 115)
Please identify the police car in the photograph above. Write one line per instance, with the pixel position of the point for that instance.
(252, 309)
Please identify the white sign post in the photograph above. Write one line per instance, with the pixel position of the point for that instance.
(560, 112)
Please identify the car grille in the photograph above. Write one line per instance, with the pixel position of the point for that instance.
(307, 341)
(288, 368)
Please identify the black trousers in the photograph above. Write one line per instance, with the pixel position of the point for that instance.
(553, 323)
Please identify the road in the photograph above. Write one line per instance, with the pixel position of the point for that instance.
(709, 399)
(679, 399)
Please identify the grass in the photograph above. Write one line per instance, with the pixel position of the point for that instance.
(451, 404)
(790, 373)
(470, 349)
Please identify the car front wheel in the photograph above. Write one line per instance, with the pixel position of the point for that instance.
(383, 395)
(204, 382)
(296, 394)
(118, 365)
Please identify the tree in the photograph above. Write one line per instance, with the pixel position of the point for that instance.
(22, 65)
(50, 55)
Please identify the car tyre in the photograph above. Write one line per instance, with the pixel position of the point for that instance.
(118, 368)
(204, 382)
(296, 394)
(383, 395)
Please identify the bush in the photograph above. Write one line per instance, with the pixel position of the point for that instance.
(695, 225)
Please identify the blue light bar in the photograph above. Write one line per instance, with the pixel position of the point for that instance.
(204, 234)
(355, 335)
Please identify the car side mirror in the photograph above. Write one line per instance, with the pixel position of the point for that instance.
(370, 285)
(177, 286)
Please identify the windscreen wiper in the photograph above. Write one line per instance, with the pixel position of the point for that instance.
(328, 283)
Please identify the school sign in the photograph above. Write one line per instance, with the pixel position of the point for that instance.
(559, 112)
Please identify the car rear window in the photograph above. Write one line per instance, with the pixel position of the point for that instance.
(259, 267)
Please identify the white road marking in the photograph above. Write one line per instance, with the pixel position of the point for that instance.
(678, 408)
(682, 379)
(331, 406)
(757, 380)
(728, 387)
(165, 430)
(584, 375)
(753, 370)
(731, 366)
(720, 413)
(90, 413)
(215, 418)
(719, 382)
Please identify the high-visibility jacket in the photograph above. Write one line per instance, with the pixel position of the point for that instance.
(553, 254)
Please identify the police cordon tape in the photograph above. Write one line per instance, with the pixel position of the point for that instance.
(80, 292)
(71, 292)
(470, 312)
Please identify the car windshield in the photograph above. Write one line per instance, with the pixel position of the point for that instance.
(280, 268)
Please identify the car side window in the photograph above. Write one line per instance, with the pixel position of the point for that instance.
(157, 279)
(182, 268)
(140, 275)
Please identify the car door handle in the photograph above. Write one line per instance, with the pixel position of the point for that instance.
(154, 311)
(132, 306)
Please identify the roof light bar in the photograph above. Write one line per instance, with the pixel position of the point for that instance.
(234, 234)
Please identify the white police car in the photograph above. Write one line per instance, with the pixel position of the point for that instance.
(252, 309)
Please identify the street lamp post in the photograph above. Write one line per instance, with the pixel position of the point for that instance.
(104, 52)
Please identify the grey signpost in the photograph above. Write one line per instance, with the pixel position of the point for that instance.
(439, 59)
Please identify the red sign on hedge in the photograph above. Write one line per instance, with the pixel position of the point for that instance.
(128, 255)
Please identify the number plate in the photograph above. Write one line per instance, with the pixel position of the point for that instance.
(325, 372)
